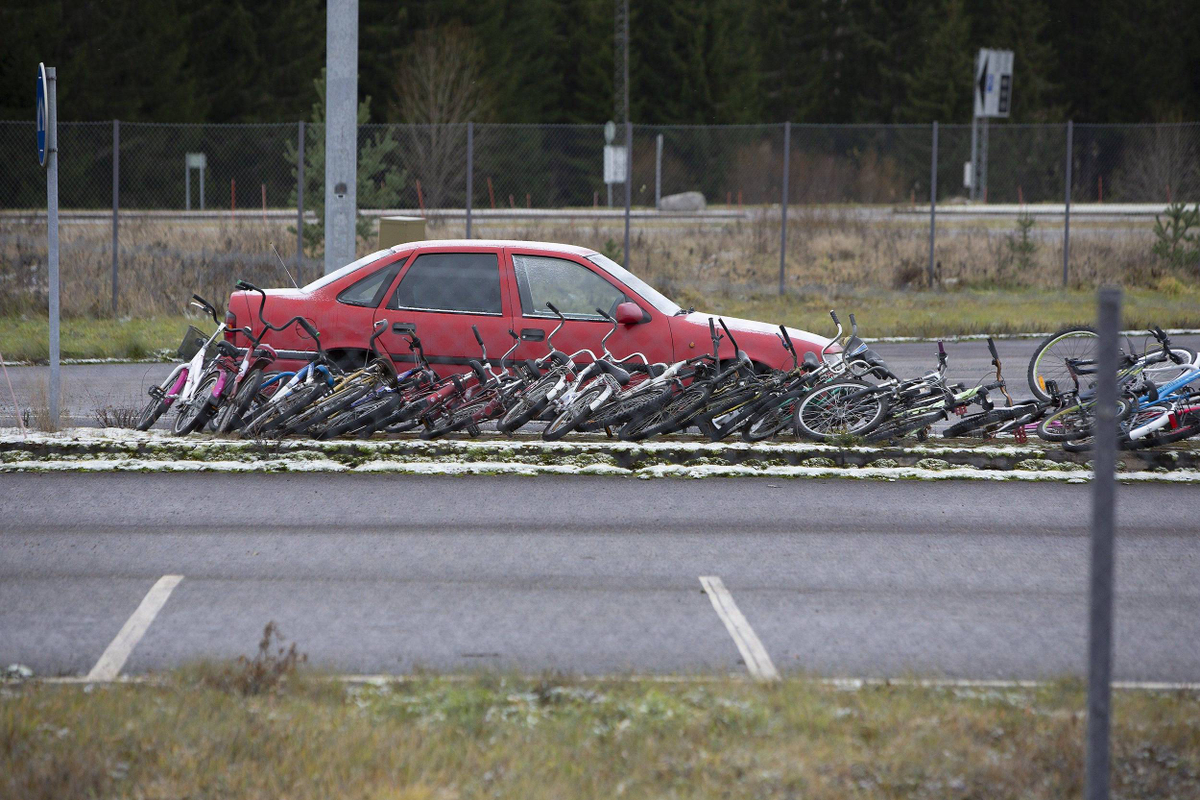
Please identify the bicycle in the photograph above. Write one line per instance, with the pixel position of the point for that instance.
(189, 380)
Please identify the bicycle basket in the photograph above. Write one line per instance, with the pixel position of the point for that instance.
(193, 340)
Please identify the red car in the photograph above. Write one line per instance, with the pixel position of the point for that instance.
(441, 288)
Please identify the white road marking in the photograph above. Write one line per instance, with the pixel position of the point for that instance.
(753, 653)
(114, 657)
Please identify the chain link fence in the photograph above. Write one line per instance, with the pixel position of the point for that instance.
(858, 204)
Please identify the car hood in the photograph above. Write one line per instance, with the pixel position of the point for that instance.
(736, 325)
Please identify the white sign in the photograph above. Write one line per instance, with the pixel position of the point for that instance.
(196, 160)
(616, 163)
(967, 174)
(993, 83)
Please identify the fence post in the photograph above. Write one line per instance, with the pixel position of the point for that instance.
(1067, 209)
(658, 142)
(300, 175)
(116, 200)
(470, 171)
(628, 184)
(187, 187)
(933, 165)
(1100, 590)
(783, 212)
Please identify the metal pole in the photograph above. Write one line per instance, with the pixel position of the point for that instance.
(982, 194)
(187, 186)
(1100, 590)
(974, 157)
(783, 213)
(301, 179)
(625, 82)
(116, 186)
(52, 231)
(341, 132)
(658, 141)
(202, 188)
(933, 165)
(628, 166)
(1067, 209)
(470, 171)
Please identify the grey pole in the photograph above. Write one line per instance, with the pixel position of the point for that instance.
(783, 214)
(628, 174)
(658, 142)
(1100, 588)
(116, 206)
(933, 165)
(1067, 208)
(470, 171)
(202, 188)
(341, 131)
(983, 160)
(301, 176)
(187, 186)
(974, 157)
(52, 231)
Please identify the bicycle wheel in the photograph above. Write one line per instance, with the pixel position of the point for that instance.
(528, 404)
(620, 410)
(669, 417)
(231, 415)
(983, 423)
(275, 414)
(575, 412)
(1163, 372)
(721, 417)
(454, 420)
(769, 421)
(898, 428)
(362, 419)
(842, 408)
(1048, 362)
(199, 410)
(1074, 422)
(154, 409)
(326, 408)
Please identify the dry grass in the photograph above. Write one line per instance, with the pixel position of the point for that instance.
(508, 737)
(988, 279)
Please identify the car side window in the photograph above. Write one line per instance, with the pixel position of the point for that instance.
(573, 288)
(369, 290)
(462, 282)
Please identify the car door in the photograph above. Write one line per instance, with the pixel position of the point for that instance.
(577, 288)
(440, 294)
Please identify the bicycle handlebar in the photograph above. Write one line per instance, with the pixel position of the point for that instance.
(478, 338)
(992, 349)
(853, 326)
(836, 321)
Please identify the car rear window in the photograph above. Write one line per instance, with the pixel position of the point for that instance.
(462, 282)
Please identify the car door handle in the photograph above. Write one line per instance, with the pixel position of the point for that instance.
(532, 334)
(404, 327)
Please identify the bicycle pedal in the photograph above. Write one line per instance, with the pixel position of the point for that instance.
(1021, 436)
(157, 392)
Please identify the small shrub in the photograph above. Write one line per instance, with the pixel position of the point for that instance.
(267, 673)
(1174, 245)
(116, 416)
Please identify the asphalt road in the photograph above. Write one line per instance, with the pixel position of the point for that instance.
(89, 387)
(385, 574)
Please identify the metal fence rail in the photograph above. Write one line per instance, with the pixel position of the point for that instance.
(171, 224)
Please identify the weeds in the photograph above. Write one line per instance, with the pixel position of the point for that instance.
(110, 416)
(1175, 246)
(268, 672)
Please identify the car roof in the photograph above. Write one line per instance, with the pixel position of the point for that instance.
(547, 246)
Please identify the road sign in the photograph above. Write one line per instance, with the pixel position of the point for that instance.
(615, 163)
(195, 160)
(41, 114)
(993, 83)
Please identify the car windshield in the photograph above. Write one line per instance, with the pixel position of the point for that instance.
(651, 295)
(325, 280)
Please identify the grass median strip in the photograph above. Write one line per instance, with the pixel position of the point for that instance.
(212, 731)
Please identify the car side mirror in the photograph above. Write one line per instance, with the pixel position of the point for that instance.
(629, 313)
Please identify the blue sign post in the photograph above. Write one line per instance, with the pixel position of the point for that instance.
(41, 114)
(47, 144)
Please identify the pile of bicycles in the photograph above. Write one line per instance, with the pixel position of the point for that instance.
(851, 395)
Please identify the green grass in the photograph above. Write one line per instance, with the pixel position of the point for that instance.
(199, 733)
(880, 313)
(28, 338)
(967, 311)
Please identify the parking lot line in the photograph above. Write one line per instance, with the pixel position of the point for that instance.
(753, 653)
(114, 656)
